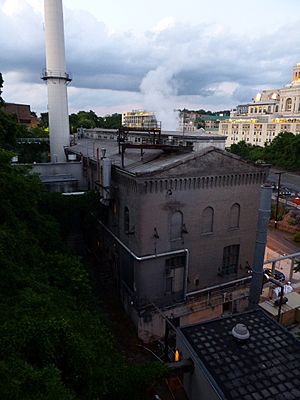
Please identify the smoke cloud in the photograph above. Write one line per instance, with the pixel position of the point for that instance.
(159, 89)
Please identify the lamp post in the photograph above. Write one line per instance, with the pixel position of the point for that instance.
(277, 199)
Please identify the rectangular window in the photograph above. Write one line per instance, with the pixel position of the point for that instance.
(230, 259)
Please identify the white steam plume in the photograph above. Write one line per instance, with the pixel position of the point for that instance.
(159, 89)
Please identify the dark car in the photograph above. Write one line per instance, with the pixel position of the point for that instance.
(278, 275)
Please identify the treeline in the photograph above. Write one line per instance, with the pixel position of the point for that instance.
(88, 120)
(205, 112)
(54, 344)
(283, 151)
(54, 341)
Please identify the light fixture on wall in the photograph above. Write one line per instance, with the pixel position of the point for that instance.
(183, 229)
(155, 235)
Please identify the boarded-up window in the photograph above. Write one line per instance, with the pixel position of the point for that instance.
(230, 259)
(234, 218)
(175, 274)
(207, 220)
(176, 225)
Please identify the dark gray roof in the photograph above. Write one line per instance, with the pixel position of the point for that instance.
(154, 161)
(266, 367)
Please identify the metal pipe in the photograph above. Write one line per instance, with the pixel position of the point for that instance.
(151, 256)
(209, 289)
(260, 245)
(277, 199)
(280, 303)
(292, 269)
(293, 255)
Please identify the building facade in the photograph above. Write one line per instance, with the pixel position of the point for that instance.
(270, 113)
(178, 230)
(139, 119)
(22, 113)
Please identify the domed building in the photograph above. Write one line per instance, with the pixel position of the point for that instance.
(271, 112)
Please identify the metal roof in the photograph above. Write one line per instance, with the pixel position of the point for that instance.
(265, 367)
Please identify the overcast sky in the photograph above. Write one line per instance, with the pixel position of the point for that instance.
(133, 54)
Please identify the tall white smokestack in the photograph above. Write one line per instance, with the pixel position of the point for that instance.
(57, 80)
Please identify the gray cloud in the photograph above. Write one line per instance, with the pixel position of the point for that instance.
(198, 58)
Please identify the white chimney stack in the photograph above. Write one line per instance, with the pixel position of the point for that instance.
(57, 80)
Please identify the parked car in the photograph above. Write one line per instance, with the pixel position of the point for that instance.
(278, 275)
(296, 200)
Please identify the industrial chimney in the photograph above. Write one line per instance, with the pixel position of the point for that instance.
(57, 79)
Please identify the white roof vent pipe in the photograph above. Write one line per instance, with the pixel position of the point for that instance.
(106, 180)
(240, 332)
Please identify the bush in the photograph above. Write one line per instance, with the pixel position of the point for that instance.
(297, 237)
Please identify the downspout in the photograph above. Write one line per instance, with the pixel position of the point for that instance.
(260, 245)
(152, 256)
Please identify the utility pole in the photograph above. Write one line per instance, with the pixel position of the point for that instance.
(277, 199)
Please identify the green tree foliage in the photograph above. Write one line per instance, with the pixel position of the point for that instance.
(44, 120)
(89, 119)
(283, 151)
(1, 86)
(247, 151)
(297, 240)
(54, 343)
(10, 130)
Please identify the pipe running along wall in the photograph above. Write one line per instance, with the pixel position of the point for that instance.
(152, 256)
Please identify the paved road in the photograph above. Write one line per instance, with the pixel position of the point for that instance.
(288, 179)
(278, 241)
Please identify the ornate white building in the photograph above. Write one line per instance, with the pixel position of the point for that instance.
(271, 112)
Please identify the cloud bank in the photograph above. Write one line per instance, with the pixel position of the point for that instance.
(173, 64)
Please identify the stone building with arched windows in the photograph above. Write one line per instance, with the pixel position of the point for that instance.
(271, 112)
(179, 230)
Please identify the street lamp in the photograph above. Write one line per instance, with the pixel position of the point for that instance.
(277, 199)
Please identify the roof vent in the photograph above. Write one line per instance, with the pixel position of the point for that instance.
(240, 332)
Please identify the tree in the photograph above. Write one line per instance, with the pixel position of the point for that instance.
(1, 86)
(283, 151)
(44, 120)
(54, 343)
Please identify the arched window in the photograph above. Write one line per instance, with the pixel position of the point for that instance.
(207, 220)
(176, 225)
(234, 219)
(288, 104)
(126, 220)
